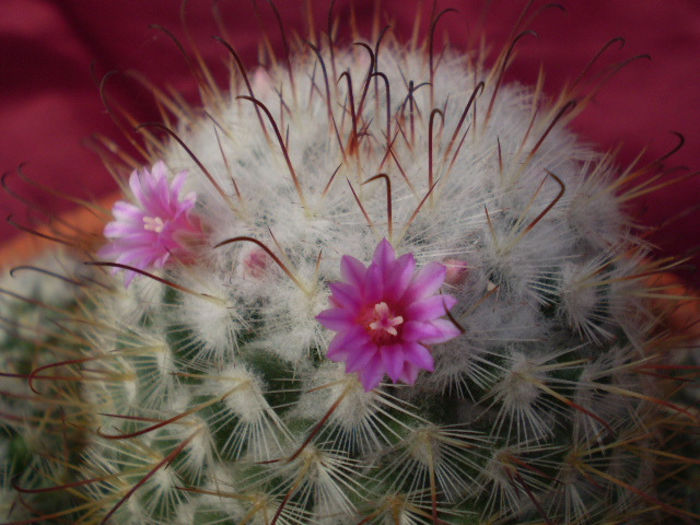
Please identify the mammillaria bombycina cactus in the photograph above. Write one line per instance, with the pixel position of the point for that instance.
(372, 285)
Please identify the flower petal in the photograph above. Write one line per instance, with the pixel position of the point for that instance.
(345, 342)
(429, 308)
(445, 330)
(336, 319)
(352, 271)
(127, 212)
(410, 373)
(178, 182)
(419, 356)
(426, 283)
(159, 170)
(393, 359)
(345, 295)
(135, 185)
(400, 277)
(413, 331)
(372, 374)
(128, 277)
(384, 256)
(374, 285)
(338, 352)
(359, 357)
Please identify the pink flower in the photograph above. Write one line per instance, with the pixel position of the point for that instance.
(255, 263)
(145, 234)
(457, 270)
(385, 315)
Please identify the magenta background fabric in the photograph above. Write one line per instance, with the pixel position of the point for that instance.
(50, 105)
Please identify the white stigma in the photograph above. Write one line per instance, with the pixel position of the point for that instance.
(153, 224)
(384, 320)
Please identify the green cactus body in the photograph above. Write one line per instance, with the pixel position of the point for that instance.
(202, 392)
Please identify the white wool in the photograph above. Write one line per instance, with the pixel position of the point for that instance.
(226, 358)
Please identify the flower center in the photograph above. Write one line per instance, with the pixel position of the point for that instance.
(383, 322)
(153, 224)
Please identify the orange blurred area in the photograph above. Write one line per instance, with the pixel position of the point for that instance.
(681, 310)
(26, 246)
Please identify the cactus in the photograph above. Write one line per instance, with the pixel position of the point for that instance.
(374, 286)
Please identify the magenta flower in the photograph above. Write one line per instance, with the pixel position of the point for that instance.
(385, 315)
(145, 234)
